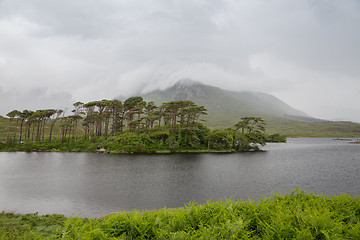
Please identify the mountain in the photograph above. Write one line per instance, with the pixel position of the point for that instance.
(226, 107)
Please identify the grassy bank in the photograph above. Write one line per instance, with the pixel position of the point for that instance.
(292, 128)
(55, 146)
(294, 215)
(30, 226)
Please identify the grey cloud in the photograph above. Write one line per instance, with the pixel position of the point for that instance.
(83, 47)
(33, 99)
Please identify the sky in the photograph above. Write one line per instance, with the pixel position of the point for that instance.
(305, 52)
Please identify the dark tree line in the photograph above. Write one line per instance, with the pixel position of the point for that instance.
(134, 125)
(31, 124)
(102, 118)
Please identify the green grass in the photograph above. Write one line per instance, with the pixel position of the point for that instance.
(292, 128)
(30, 226)
(294, 215)
(54, 146)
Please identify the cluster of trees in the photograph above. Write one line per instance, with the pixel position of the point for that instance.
(103, 118)
(32, 120)
(246, 133)
(134, 125)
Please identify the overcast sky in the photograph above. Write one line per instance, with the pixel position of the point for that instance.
(305, 52)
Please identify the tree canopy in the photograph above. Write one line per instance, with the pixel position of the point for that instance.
(134, 125)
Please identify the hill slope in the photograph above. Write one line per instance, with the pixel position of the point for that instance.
(225, 108)
(217, 100)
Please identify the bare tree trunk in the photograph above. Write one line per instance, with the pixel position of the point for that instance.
(17, 123)
(90, 131)
(8, 135)
(99, 126)
(85, 136)
(29, 129)
(51, 129)
(75, 130)
(107, 121)
(38, 132)
(69, 134)
(32, 134)
(43, 129)
(21, 126)
(63, 136)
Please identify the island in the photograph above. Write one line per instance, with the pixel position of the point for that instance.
(132, 126)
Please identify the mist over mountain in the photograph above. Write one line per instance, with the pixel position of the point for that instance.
(227, 107)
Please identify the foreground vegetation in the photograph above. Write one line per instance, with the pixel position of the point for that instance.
(132, 126)
(294, 215)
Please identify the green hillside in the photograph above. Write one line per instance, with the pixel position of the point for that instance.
(293, 128)
(220, 102)
(225, 108)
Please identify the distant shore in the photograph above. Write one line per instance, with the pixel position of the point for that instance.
(101, 151)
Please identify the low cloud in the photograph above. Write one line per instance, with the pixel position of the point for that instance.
(34, 99)
(108, 48)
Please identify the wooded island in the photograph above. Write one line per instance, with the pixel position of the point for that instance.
(132, 126)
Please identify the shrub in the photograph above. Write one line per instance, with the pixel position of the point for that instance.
(220, 139)
(294, 215)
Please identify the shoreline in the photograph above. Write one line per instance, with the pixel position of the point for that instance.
(151, 152)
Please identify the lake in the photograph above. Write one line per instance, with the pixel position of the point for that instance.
(92, 185)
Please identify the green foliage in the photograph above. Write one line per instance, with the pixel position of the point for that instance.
(172, 143)
(202, 133)
(30, 226)
(251, 125)
(252, 133)
(241, 142)
(132, 142)
(275, 138)
(294, 215)
(174, 139)
(256, 138)
(132, 102)
(220, 139)
(58, 145)
(132, 127)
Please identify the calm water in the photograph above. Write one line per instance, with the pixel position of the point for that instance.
(93, 185)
